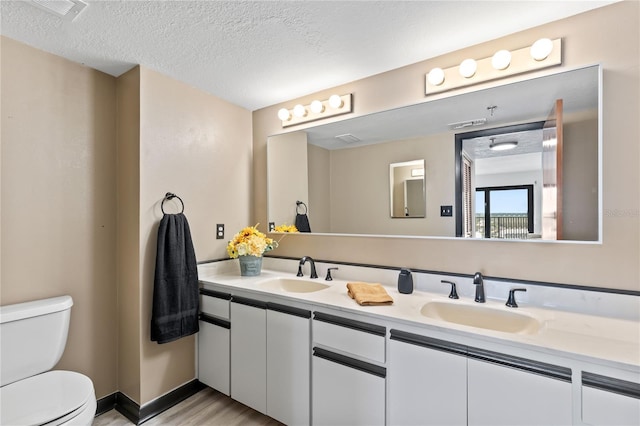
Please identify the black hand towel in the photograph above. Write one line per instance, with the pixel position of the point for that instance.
(175, 286)
(302, 222)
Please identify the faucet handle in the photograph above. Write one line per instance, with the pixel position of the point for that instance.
(329, 277)
(511, 301)
(454, 293)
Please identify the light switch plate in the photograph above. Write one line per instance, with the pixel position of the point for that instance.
(446, 210)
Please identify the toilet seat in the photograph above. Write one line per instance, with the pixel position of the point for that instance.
(54, 397)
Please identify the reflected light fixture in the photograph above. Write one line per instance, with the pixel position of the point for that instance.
(317, 109)
(502, 146)
(542, 54)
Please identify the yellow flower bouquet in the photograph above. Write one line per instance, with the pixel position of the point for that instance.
(250, 242)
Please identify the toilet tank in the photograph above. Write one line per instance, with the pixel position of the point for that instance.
(32, 337)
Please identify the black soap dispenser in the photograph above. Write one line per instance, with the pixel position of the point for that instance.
(405, 281)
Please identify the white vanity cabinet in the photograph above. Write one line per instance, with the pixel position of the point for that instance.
(609, 401)
(512, 391)
(249, 352)
(427, 381)
(348, 387)
(436, 382)
(270, 359)
(213, 340)
(288, 364)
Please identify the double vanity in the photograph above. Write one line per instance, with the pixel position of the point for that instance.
(303, 352)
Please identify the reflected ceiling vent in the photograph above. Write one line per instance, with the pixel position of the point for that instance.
(65, 9)
(469, 123)
(348, 138)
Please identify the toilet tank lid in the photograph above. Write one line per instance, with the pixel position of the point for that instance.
(35, 308)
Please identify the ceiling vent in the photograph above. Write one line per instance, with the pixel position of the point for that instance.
(469, 123)
(348, 138)
(65, 9)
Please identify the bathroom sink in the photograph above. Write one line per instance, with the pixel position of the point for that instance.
(292, 285)
(481, 316)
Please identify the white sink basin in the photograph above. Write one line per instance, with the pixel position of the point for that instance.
(482, 316)
(292, 285)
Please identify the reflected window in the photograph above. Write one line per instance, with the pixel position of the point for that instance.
(504, 212)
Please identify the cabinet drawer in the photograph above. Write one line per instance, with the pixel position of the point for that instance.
(346, 391)
(609, 401)
(354, 337)
(214, 303)
(214, 355)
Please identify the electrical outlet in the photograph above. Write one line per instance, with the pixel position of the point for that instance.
(219, 231)
(272, 226)
(446, 210)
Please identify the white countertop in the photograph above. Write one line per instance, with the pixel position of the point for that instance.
(610, 342)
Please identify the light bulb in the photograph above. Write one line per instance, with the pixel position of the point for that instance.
(283, 114)
(501, 59)
(541, 49)
(299, 111)
(335, 101)
(468, 68)
(317, 107)
(436, 77)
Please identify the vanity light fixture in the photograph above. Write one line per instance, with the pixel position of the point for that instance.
(317, 107)
(335, 101)
(316, 110)
(436, 76)
(468, 68)
(502, 146)
(284, 114)
(541, 49)
(542, 54)
(299, 111)
(501, 59)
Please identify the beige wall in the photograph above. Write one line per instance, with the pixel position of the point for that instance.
(59, 199)
(128, 263)
(199, 147)
(354, 189)
(86, 161)
(609, 36)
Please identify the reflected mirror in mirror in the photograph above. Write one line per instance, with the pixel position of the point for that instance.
(347, 161)
(406, 189)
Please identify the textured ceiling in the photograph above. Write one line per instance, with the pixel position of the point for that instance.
(259, 53)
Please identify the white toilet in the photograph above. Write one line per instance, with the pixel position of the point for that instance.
(32, 339)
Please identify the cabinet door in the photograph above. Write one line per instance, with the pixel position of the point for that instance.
(213, 353)
(427, 381)
(346, 391)
(608, 401)
(509, 393)
(288, 364)
(249, 353)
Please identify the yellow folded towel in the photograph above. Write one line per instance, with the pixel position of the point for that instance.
(369, 294)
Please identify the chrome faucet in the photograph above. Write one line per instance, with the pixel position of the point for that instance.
(479, 283)
(314, 274)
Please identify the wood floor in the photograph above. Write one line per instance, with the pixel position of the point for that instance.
(207, 407)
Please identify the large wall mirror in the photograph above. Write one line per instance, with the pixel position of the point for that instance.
(516, 161)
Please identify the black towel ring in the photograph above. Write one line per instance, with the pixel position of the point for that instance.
(298, 204)
(171, 196)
